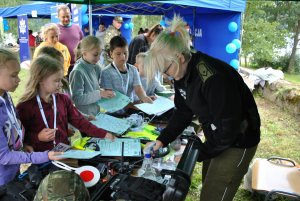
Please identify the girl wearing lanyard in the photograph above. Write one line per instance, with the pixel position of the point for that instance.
(86, 75)
(45, 113)
(11, 132)
(121, 76)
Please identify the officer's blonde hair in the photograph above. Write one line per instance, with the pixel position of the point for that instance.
(165, 48)
(88, 43)
(41, 68)
(5, 56)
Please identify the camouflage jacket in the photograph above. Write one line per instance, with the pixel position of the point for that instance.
(62, 185)
(110, 32)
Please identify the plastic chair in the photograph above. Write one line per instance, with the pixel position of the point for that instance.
(276, 176)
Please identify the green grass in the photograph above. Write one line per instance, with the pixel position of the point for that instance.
(292, 78)
(280, 136)
(24, 74)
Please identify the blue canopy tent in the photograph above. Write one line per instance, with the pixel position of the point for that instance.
(48, 10)
(210, 21)
(42, 8)
(214, 24)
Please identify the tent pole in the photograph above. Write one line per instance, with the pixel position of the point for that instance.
(90, 18)
(241, 39)
(194, 25)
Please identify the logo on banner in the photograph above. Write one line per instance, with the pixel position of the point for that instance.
(22, 26)
(198, 32)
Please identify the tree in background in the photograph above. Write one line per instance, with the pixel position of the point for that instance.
(143, 21)
(267, 26)
(287, 13)
(261, 37)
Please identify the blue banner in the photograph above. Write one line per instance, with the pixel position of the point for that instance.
(23, 38)
(76, 15)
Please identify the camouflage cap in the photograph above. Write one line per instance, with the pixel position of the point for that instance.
(62, 185)
(119, 19)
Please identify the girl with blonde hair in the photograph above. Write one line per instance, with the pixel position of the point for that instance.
(11, 129)
(45, 112)
(154, 85)
(85, 78)
(54, 53)
(215, 92)
(50, 34)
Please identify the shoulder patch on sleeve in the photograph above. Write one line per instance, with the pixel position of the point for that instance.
(204, 70)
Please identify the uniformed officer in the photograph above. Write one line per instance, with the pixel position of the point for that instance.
(111, 31)
(215, 92)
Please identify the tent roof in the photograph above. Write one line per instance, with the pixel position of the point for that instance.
(147, 7)
(42, 8)
(130, 7)
(233, 5)
(163, 7)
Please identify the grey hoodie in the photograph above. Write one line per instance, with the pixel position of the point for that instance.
(85, 81)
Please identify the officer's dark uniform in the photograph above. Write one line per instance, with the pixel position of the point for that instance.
(215, 92)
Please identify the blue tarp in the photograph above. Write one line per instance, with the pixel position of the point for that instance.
(208, 19)
(229, 5)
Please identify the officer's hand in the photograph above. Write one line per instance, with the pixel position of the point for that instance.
(158, 145)
(154, 146)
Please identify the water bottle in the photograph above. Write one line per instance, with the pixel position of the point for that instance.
(147, 171)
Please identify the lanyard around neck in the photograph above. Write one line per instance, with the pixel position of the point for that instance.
(43, 113)
(13, 118)
(123, 84)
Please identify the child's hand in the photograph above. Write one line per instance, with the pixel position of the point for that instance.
(52, 155)
(47, 135)
(71, 132)
(109, 136)
(146, 99)
(107, 93)
(91, 118)
(153, 97)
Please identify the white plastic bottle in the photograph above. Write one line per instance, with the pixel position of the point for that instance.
(147, 171)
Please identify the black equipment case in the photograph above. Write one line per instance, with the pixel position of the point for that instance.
(127, 187)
